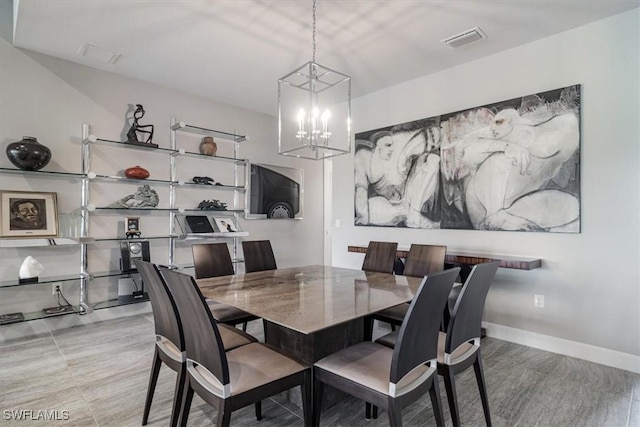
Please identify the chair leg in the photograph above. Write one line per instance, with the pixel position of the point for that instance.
(370, 411)
(482, 387)
(307, 398)
(244, 326)
(224, 414)
(186, 404)
(153, 379)
(177, 395)
(258, 406)
(318, 388)
(434, 393)
(450, 386)
(395, 413)
(368, 328)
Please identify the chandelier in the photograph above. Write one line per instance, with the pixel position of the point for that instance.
(314, 110)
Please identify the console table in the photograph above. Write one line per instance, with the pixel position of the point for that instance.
(464, 258)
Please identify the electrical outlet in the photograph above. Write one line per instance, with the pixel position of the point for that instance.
(538, 301)
(55, 287)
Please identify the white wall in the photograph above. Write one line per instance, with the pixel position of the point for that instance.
(50, 99)
(590, 281)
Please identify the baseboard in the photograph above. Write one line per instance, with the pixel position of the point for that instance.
(591, 353)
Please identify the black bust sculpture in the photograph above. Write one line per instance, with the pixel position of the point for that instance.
(136, 128)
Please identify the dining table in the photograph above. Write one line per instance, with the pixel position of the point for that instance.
(311, 311)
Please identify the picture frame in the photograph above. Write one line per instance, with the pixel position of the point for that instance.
(132, 226)
(225, 224)
(276, 192)
(28, 214)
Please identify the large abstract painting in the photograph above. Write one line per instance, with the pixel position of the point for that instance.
(512, 165)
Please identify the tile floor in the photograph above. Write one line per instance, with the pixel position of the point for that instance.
(99, 373)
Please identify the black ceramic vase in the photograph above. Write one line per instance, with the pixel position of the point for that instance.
(28, 154)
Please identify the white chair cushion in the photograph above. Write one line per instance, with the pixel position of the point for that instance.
(368, 364)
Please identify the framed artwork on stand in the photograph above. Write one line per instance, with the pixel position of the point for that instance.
(225, 224)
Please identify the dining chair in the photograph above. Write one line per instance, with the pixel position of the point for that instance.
(234, 379)
(258, 256)
(459, 347)
(421, 260)
(170, 344)
(393, 378)
(213, 260)
(380, 257)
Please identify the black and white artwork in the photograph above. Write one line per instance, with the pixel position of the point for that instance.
(28, 214)
(512, 165)
(276, 192)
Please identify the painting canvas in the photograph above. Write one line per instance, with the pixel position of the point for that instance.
(28, 214)
(276, 192)
(512, 165)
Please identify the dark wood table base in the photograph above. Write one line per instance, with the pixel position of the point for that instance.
(312, 347)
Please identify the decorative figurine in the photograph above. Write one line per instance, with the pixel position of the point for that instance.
(208, 146)
(202, 180)
(28, 154)
(144, 197)
(136, 172)
(136, 128)
(212, 205)
(30, 270)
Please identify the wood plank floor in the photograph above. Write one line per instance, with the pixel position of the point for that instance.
(99, 373)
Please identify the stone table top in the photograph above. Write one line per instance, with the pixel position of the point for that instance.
(310, 298)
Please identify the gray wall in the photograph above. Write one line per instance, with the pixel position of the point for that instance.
(590, 281)
(50, 99)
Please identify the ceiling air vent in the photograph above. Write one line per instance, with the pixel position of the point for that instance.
(98, 53)
(465, 37)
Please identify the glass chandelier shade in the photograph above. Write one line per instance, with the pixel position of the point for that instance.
(314, 111)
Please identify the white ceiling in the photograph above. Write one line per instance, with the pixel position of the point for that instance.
(234, 51)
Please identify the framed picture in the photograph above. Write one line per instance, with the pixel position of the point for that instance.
(28, 214)
(225, 224)
(132, 226)
(276, 192)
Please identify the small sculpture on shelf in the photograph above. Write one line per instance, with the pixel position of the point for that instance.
(143, 130)
(208, 146)
(202, 180)
(144, 197)
(28, 154)
(30, 270)
(136, 172)
(212, 205)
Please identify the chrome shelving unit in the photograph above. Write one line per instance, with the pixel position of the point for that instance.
(239, 191)
(174, 235)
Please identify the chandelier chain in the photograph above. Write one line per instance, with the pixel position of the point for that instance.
(314, 31)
